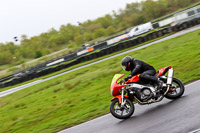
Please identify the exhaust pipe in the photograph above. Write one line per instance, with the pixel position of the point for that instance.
(169, 82)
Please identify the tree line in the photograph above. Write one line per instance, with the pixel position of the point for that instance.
(73, 36)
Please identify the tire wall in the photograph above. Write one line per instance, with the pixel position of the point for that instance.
(102, 52)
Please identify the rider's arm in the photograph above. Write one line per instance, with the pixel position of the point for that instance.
(135, 71)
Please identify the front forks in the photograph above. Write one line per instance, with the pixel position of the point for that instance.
(122, 99)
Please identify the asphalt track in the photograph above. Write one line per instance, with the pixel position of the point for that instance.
(7, 92)
(168, 116)
(178, 116)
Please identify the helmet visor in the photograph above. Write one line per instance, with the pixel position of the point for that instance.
(124, 67)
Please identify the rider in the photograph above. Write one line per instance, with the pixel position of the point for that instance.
(145, 70)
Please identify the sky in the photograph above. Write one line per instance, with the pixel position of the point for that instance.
(33, 17)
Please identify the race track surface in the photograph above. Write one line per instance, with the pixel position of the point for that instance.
(168, 116)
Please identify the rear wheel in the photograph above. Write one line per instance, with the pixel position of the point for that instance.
(122, 112)
(176, 90)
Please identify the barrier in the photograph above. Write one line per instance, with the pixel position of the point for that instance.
(105, 51)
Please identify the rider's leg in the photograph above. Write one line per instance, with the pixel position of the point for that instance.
(149, 75)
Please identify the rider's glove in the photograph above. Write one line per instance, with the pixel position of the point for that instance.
(128, 77)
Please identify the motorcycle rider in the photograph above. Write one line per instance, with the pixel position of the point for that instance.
(145, 70)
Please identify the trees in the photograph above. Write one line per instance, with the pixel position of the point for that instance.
(73, 36)
(6, 58)
(38, 54)
(152, 9)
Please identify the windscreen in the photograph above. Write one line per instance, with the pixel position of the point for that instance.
(115, 78)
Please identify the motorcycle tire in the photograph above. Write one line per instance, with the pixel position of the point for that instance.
(124, 112)
(174, 94)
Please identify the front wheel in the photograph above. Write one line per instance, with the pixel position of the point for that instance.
(122, 112)
(176, 90)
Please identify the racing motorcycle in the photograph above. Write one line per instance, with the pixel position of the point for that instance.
(137, 91)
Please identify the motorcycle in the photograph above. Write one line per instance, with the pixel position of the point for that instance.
(138, 91)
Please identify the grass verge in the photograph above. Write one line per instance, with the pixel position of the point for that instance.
(81, 64)
(84, 94)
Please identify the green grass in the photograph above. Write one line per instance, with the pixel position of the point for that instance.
(84, 94)
(81, 64)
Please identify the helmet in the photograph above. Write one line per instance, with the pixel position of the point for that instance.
(125, 63)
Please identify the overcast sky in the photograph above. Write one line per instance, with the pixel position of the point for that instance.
(32, 17)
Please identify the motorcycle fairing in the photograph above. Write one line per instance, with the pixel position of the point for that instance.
(119, 97)
(163, 70)
(115, 87)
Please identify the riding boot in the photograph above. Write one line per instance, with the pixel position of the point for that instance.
(159, 84)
